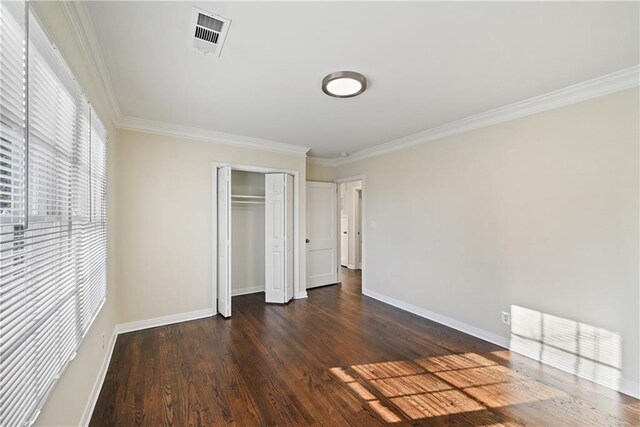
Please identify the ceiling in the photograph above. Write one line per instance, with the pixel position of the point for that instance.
(428, 64)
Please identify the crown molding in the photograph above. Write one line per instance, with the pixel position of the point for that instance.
(600, 86)
(206, 135)
(84, 33)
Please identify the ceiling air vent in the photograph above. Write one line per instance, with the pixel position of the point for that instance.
(208, 31)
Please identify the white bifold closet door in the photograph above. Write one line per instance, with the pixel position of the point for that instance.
(224, 241)
(279, 237)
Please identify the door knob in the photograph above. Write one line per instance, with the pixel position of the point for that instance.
(307, 240)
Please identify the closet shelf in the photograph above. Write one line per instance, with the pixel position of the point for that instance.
(246, 202)
(242, 196)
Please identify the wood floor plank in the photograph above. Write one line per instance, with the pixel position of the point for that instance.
(338, 358)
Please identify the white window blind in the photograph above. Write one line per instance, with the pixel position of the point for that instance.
(53, 151)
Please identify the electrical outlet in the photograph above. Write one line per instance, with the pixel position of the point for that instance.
(506, 318)
(102, 342)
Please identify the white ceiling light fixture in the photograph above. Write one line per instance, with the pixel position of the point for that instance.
(344, 84)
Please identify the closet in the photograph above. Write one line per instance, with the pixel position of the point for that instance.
(248, 231)
(255, 232)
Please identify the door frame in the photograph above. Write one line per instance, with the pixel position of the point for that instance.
(357, 203)
(297, 282)
(363, 213)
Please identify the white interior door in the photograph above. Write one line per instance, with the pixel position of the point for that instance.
(358, 228)
(322, 234)
(344, 240)
(278, 237)
(224, 241)
(289, 236)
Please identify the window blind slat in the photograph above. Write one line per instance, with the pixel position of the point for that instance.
(12, 111)
(53, 157)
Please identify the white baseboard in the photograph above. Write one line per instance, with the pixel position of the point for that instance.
(165, 320)
(630, 388)
(97, 387)
(247, 290)
(439, 318)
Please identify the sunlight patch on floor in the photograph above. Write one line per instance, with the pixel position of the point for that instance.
(439, 403)
(386, 370)
(385, 413)
(361, 391)
(454, 361)
(513, 393)
(442, 386)
(410, 384)
(480, 376)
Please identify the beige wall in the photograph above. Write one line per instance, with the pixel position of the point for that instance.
(165, 220)
(70, 396)
(320, 173)
(541, 212)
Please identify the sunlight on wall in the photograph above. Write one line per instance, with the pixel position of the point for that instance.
(585, 350)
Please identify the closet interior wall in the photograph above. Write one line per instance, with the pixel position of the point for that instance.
(248, 232)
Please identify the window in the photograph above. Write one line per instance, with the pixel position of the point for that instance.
(53, 154)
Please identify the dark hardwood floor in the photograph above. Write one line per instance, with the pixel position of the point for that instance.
(338, 358)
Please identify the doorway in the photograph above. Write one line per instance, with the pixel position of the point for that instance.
(255, 229)
(351, 230)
